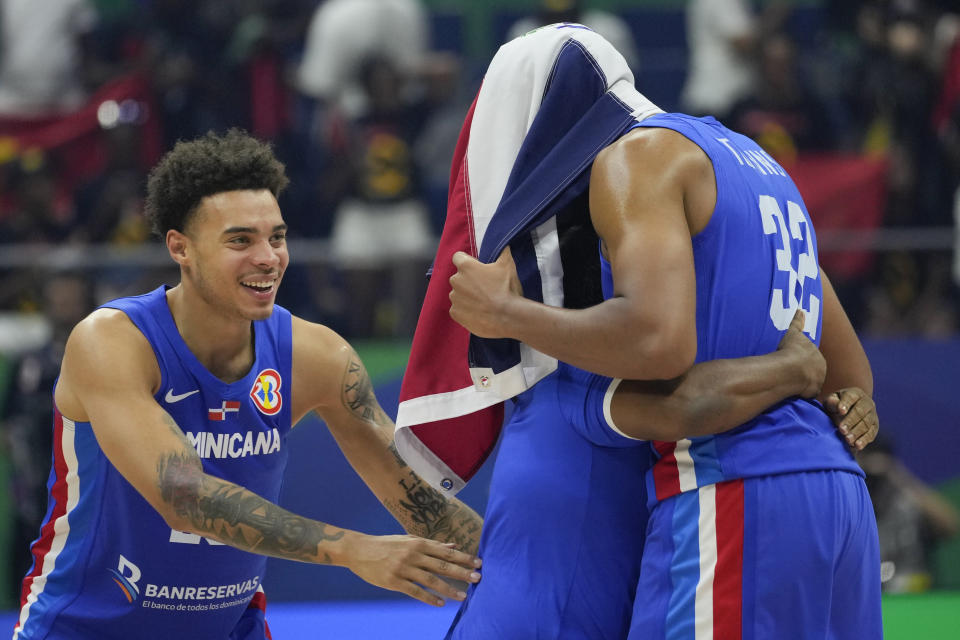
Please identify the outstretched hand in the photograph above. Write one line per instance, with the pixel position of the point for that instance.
(480, 292)
(855, 414)
(811, 363)
(413, 565)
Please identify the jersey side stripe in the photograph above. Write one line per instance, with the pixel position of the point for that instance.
(707, 538)
(684, 567)
(703, 452)
(666, 479)
(686, 467)
(707, 568)
(728, 581)
(54, 532)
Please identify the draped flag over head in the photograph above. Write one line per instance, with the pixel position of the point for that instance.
(550, 101)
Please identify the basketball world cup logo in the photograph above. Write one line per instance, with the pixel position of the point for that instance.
(266, 392)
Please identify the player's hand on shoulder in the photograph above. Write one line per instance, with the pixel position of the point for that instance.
(414, 566)
(854, 413)
(810, 363)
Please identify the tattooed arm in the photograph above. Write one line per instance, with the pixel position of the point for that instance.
(109, 377)
(331, 380)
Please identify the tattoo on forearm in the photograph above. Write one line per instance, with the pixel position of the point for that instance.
(396, 455)
(235, 515)
(175, 428)
(427, 513)
(357, 393)
(426, 506)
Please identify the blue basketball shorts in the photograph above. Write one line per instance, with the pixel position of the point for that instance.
(785, 556)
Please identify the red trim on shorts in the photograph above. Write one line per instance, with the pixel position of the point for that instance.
(666, 475)
(259, 601)
(728, 576)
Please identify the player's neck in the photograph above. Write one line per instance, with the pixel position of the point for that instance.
(223, 345)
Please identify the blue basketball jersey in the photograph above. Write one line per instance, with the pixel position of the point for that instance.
(731, 513)
(756, 263)
(563, 531)
(106, 565)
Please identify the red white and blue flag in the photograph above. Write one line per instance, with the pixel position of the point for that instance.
(550, 101)
(220, 413)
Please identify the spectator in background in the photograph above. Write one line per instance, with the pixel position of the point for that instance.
(199, 86)
(110, 209)
(381, 230)
(721, 36)
(912, 519)
(43, 52)
(445, 92)
(40, 211)
(897, 98)
(344, 34)
(783, 114)
(343, 41)
(110, 206)
(608, 25)
(851, 39)
(946, 120)
(904, 90)
(66, 299)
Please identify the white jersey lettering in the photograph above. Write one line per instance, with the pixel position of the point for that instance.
(235, 445)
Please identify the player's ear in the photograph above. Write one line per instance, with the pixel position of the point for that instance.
(177, 246)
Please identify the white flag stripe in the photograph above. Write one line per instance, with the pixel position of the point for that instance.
(546, 244)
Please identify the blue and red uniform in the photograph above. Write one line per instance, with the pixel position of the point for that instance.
(106, 565)
(767, 530)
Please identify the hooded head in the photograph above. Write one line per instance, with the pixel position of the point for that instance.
(557, 73)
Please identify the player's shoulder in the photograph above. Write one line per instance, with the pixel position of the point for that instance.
(306, 333)
(321, 357)
(653, 151)
(107, 328)
(317, 346)
(105, 350)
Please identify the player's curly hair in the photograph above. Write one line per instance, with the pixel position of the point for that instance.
(208, 165)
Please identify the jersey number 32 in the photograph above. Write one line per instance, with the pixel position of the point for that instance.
(796, 237)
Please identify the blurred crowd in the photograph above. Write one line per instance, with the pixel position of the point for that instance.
(877, 80)
(365, 111)
(861, 99)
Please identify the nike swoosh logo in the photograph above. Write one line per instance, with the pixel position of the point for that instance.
(177, 398)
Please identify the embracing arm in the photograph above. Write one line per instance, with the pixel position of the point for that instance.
(341, 393)
(149, 449)
(847, 393)
(847, 364)
(719, 394)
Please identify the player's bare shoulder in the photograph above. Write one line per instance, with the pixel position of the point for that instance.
(105, 351)
(320, 357)
(658, 163)
(656, 149)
